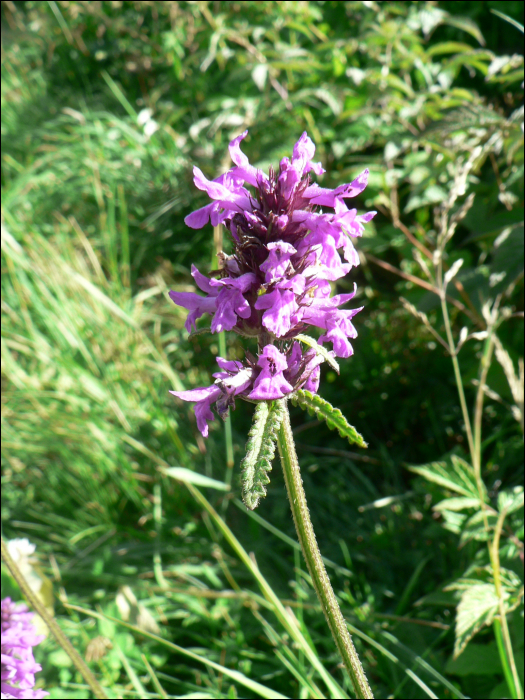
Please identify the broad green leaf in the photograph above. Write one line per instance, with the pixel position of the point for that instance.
(319, 349)
(477, 608)
(189, 477)
(260, 450)
(455, 475)
(325, 411)
(479, 603)
(456, 504)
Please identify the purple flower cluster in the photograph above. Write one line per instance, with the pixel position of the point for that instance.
(18, 665)
(277, 282)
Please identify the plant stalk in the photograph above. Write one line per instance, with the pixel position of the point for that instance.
(474, 441)
(52, 625)
(312, 555)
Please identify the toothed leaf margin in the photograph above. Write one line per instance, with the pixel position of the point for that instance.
(260, 451)
(335, 420)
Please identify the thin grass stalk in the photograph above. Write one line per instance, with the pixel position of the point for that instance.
(52, 625)
(314, 562)
(455, 364)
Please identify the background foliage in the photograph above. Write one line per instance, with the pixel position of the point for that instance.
(95, 190)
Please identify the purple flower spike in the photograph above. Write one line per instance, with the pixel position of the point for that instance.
(18, 664)
(277, 283)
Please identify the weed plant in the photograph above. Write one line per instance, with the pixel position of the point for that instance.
(162, 580)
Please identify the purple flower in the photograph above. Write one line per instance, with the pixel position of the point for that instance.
(271, 384)
(234, 379)
(18, 664)
(276, 284)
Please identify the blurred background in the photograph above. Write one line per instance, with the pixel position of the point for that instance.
(105, 108)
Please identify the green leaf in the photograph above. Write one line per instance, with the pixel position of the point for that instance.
(467, 25)
(479, 603)
(319, 349)
(474, 528)
(325, 411)
(510, 501)
(477, 608)
(455, 475)
(453, 521)
(456, 504)
(260, 450)
(448, 47)
(190, 477)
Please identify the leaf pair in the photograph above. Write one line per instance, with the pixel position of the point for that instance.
(260, 448)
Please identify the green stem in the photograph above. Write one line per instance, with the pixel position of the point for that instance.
(312, 555)
(52, 625)
(501, 627)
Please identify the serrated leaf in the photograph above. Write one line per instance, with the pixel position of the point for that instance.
(455, 475)
(477, 608)
(335, 420)
(319, 349)
(479, 602)
(260, 451)
(510, 500)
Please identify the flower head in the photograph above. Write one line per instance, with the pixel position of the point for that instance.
(18, 639)
(276, 284)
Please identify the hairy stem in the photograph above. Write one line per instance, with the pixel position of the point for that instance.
(312, 555)
(53, 627)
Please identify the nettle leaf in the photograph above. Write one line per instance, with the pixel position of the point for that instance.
(335, 420)
(479, 602)
(319, 349)
(454, 474)
(477, 608)
(260, 451)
